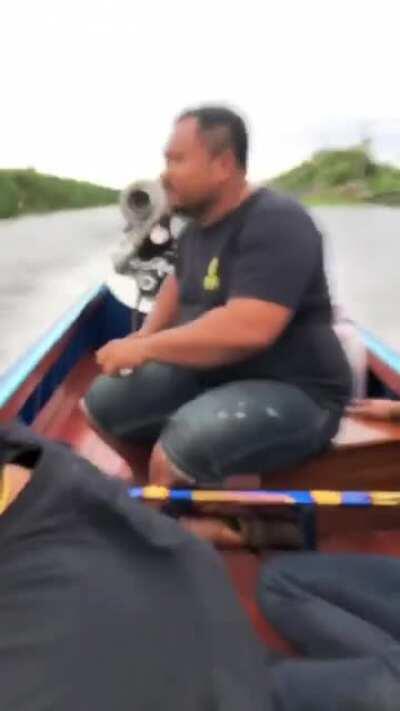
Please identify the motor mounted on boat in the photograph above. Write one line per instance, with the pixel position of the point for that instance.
(146, 253)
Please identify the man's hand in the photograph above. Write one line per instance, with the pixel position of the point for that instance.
(122, 354)
(375, 409)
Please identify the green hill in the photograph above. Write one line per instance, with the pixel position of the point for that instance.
(26, 191)
(341, 176)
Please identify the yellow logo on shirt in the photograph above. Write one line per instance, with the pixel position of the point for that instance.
(211, 281)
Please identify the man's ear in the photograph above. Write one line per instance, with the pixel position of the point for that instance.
(226, 164)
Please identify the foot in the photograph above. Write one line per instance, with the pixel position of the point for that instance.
(241, 533)
(214, 530)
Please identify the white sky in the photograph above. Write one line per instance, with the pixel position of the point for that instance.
(88, 88)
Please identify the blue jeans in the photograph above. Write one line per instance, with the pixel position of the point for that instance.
(211, 429)
(342, 612)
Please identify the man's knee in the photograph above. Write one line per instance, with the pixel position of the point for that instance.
(186, 444)
(163, 472)
(100, 405)
(113, 401)
(136, 406)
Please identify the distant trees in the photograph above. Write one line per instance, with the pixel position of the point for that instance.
(25, 191)
(342, 174)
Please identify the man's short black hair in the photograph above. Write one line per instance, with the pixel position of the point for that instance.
(225, 127)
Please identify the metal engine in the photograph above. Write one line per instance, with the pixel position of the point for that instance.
(147, 252)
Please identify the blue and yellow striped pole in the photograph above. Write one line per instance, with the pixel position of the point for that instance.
(264, 497)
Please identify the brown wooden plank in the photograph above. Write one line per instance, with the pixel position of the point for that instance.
(357, 431)
(349, 522)
(363, 468)
(381, 542)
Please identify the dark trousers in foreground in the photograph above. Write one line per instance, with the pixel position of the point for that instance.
(343, 613)
(212, 427)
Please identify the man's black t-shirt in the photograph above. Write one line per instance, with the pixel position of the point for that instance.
(269, 249)
(106, 605)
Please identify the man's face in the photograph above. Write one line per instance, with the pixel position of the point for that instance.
(193, 177)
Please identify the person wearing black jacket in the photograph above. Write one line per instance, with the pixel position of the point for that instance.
(106, 605)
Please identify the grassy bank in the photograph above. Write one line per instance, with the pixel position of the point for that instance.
(26, 191)
(342, 177)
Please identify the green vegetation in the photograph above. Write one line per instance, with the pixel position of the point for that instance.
(342, 176)
(25, 191)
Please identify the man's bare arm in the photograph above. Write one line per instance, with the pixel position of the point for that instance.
(165, 309)
(224, 335)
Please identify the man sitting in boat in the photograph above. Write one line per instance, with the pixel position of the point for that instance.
(237, 369)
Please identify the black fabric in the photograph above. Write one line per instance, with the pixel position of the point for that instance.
(342, 612)
(106, 605)
(335, 605)
(269, 249)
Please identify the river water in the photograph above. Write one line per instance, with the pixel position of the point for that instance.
(47, 262)
(363, 264)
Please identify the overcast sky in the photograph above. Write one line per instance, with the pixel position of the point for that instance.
(89, 87)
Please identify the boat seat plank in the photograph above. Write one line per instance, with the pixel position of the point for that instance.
(358, 432)
(364, 455)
